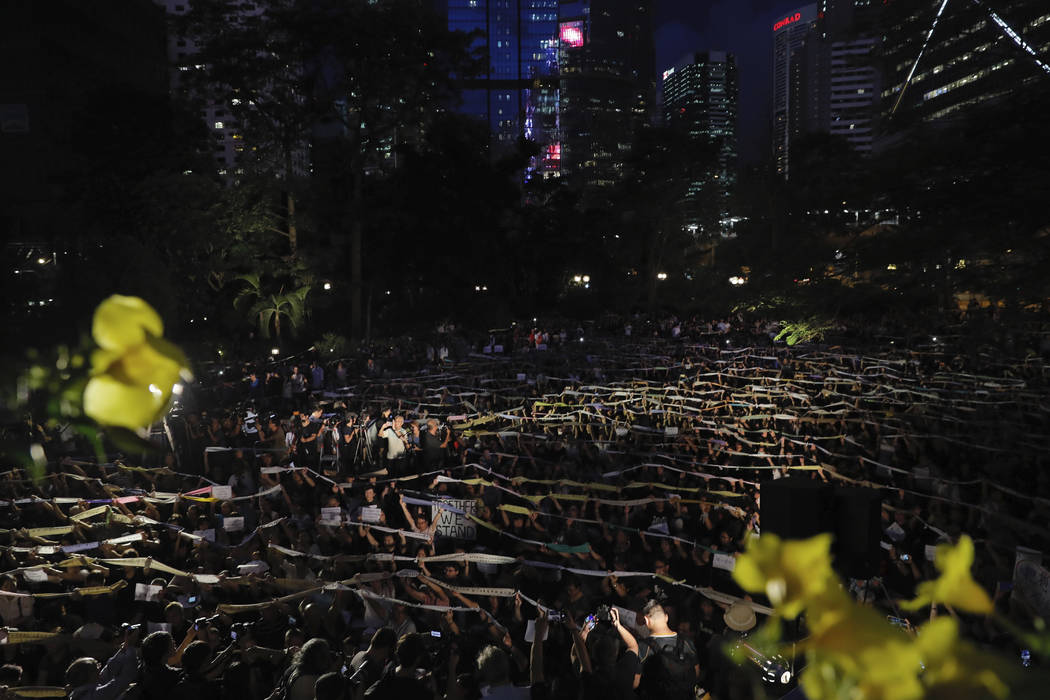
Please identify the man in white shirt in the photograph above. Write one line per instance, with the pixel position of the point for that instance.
(396, 444)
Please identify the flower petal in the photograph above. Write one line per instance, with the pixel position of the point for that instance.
(121, 322)
(112, 402)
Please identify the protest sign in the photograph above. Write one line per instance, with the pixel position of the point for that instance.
(451, 524)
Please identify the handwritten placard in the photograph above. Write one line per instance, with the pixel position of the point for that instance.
(452, 524)
(233, 524)
(223, 493)
(723, 561)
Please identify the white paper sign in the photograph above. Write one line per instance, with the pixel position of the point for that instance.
(530, 632)
(723, 561)
(931, 552)
(453, 524)
(671, 430)
(152, 627)
(370, 514)
(335, 514)
(209, 579)
(233, 524)
(895, 532)
(147, 593)
(223, 493)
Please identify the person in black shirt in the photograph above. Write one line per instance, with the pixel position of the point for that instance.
(408, 680)
(434, 446)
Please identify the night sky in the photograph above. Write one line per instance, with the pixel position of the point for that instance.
(742, 27)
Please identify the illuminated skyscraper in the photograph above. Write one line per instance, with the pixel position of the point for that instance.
(795, 91)
(700, 104)
(517, 94)
(943, 57)
(607, 84)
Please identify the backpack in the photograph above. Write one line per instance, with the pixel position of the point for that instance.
(668, 672)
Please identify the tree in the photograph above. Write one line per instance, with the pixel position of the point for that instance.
(270, 307)
(354, 78)
(651, 206)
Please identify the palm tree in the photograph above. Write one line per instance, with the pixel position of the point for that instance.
(271, 307)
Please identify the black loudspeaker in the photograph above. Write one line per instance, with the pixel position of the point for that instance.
(857, 531)
(800, 508)
(796, 508)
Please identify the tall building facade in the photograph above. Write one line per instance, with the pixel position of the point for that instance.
(607, 86)
(941, 58)
(700, 97)
(516, 95)
(795, 88)
(218, 117)
(853, 92)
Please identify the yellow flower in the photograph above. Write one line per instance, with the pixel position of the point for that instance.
(134, 370)
(853, 647)
(955, 586)
(791, 572)
(955, 668)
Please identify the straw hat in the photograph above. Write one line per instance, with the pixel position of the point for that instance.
(740, 617)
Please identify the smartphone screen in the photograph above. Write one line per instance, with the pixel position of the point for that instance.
(435, 633)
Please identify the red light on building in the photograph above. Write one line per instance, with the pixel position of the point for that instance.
(571, 34)
(554, 151)
(790, 19)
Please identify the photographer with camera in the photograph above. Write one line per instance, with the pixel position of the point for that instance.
(670, 665)
(348, 446)
(612, 675)
(367, 666)
(434, 443)
(306, 439)
(410, 678)
(87, 679)
(396, 437)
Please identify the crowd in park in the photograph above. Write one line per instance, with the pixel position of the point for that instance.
(544, 514)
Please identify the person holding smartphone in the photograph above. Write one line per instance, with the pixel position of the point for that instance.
(87, 679)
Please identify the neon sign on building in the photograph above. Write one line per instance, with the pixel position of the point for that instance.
(790, 19)
(571, 34)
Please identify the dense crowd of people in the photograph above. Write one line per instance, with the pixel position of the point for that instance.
(556, 518)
